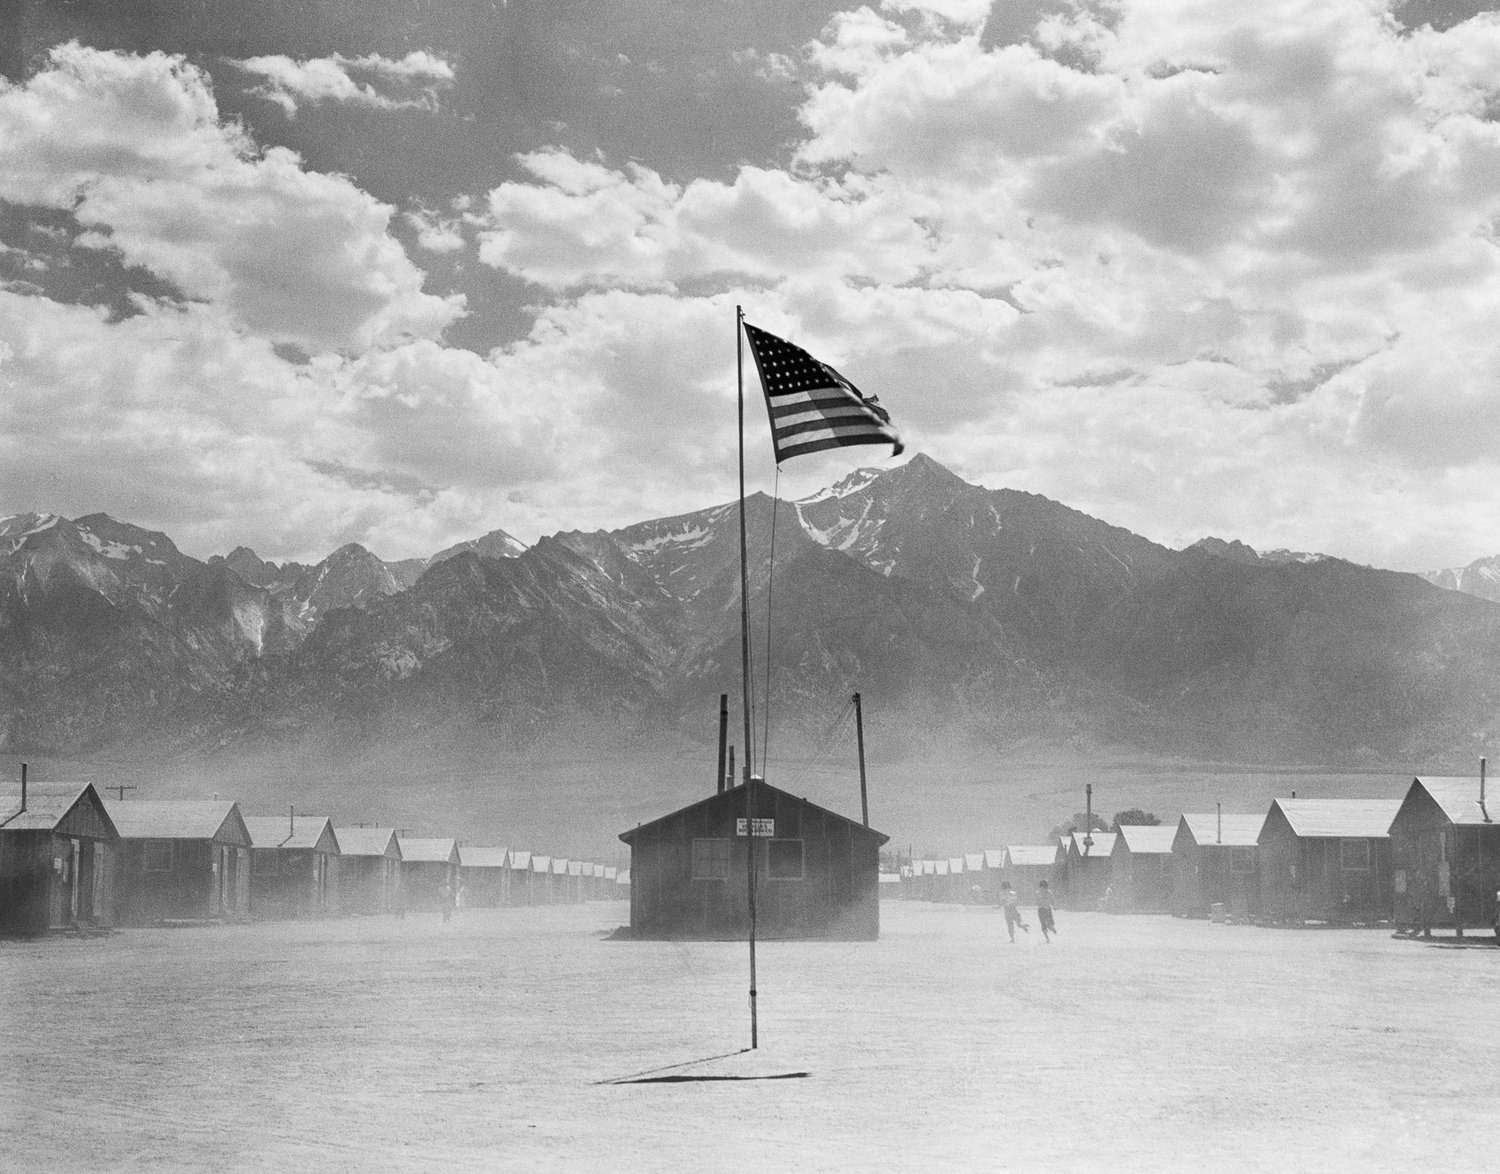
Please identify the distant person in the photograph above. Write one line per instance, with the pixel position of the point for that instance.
(1010, 902)
(1044, 910)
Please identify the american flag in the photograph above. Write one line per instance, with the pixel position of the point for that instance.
(812, 406)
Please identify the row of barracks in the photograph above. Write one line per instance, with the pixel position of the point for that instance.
(70, 859)
(1429, 859)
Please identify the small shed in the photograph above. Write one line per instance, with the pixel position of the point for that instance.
(1026, 864)
(56, 844)
(1140, 869)
(1216, 861)
(1328, 860)
(1087, 879)
(1445, 850)
(486, 872)
(985, 870)
(561, 891)
(427, 864)
(541, 879)
(369, 870)
(294, 866)
(958, 879)
(519, 888)
(180, 860)
(816, 873)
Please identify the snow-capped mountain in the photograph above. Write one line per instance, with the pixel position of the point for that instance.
(972, 617)
(1481, 577)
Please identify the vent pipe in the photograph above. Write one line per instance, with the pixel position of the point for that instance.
(291, 819)
(1483, 810)
(1219, 823)
(23, 786)
(730, 776)
(1088, 815)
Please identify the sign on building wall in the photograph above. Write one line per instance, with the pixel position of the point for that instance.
(763, 827)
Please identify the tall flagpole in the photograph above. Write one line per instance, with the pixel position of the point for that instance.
(739, 357)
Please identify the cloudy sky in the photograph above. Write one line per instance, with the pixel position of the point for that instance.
(294, 274)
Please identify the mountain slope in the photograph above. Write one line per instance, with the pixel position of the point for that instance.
(983, 620)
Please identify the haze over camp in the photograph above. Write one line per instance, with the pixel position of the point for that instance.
(767, 586)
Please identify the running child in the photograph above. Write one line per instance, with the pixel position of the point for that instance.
(1010, 901)
(1044, 910)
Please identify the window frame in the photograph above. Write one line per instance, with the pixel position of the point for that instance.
(713, 848)
(1345, 842)
(150, 860)
(1238, 853)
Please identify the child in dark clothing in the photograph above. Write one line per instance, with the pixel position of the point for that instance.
(1044, 910)
(1010, 901)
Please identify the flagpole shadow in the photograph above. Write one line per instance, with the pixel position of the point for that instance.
(670, 1074)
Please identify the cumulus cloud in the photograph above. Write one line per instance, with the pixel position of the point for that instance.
(149, 170)
(584, 223)
(410, 82)
(1197, 265)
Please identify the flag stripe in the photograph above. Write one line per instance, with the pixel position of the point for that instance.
(839, 413)
(853, 427)
(797, 450)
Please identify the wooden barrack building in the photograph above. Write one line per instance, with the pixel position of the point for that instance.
(294, 866)
(1445, 848)
(1327, 860)
(55, 866)
(180, 859)
(1216, 861)
(816, 872)
(369, 870)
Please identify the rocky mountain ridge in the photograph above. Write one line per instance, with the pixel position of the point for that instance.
(987, 620)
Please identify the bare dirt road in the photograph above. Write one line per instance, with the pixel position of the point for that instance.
(491, 1043)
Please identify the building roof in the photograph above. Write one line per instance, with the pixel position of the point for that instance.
(575, 867)
(1325, 818)
(280, 831)
(541, 863)
(733, 796)
(890, 878)
(1231, 830)
(994, 857)
(1031, 855)
(974, 861)
(1459, 798)
(955, 864)
(1103, 845)
(366, 841)
(560, 866)
(1147, 839)
(429, 850)
(521, 860)
(610, 872)
(478, 856)
(172, 819)
(622, 877)
(941, 867)
(928, 867)
(47, 806)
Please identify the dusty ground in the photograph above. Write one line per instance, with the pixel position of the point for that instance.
(490, 1043)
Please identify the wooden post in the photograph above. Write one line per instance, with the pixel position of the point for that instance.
(859, 738)
(723, 737)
